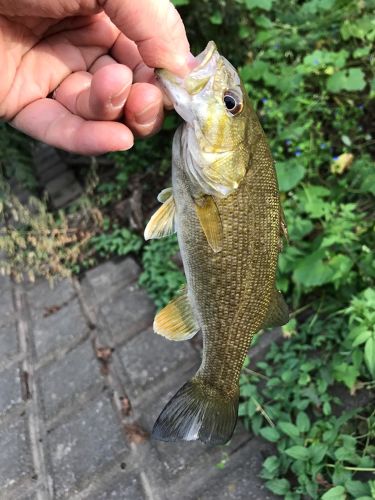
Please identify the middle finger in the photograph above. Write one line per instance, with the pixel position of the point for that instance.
(101, 96)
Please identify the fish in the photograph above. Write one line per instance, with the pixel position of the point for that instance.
(224, 205)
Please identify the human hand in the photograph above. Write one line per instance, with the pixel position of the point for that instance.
(95, 56)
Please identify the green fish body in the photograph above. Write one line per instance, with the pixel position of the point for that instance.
(229, 229)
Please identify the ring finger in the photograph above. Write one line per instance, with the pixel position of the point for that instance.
(98, 96)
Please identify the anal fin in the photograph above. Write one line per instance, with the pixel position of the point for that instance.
(176, 321)
(278, 311)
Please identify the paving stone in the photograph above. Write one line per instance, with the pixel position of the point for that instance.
(42, 296)
(181, 459)
(8, 341)
(15, 459)
(122, 487)
(63, 189)
(63, 381)
(109, 277)
(6, 303)
(10, 392)
(32, 495)
(239, 480)
(128, 312)
(84, 444)
(55, 168)
(59, 329)
(148, 357)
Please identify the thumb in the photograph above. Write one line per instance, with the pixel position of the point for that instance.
(157, 29)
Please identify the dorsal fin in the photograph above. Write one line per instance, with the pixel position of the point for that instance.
(162, 223)
(209, 218)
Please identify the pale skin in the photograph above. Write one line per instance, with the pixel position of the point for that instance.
(77, 74)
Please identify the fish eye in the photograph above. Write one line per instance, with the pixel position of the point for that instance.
(232, 103)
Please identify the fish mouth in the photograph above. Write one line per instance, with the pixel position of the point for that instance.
(180, 90)
(202, 59)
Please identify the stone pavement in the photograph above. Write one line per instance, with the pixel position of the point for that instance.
(82, 379)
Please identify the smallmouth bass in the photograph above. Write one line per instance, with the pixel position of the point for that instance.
(224, 205)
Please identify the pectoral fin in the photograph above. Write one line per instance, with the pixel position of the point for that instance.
(210, 221)
(162, 223)
(278, 312)
(176, 321)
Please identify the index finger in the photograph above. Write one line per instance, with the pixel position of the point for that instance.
(157, 29)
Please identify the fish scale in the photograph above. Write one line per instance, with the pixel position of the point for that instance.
(241, 275)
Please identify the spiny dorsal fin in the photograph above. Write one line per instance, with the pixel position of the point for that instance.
(278, 312)
(162, 222)
(210, 221)
(176, 321)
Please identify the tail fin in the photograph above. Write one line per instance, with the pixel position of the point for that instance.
(198, 411)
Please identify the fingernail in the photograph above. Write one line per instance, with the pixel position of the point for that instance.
(147, 115)
(119, 99)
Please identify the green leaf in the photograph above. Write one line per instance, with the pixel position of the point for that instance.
(345, 373)
(361, 338)
(318, 452)
(303, 421)
(312, 200)
(216, 18)
(278, 486)
(327, 410)
(270, 433)
(260, 4)
(289, 429)
(361, 52)
(263, 21)
(362, 28)
(357, 488)
(323, 58)
(370, 355)
(255, 71)
(270, 467)
(298, 452)
(298, 227)
(350, 79)
(312, 270)
(336, 493)
(289, 174)
(346, 454)
(178, 3)
(271, 463)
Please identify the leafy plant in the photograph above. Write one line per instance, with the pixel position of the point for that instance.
(34, 242)
(161, 277)
(315, 450)
(309, 73)
(118, 241)
(362, 326)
